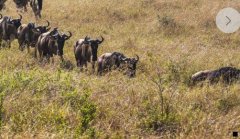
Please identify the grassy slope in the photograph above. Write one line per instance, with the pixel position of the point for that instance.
(50, 101)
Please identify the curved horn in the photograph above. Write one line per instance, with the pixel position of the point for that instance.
(20, 16)
(86, 38)
(70, 35)
(48, 23)
(137, 58)
(99, 42)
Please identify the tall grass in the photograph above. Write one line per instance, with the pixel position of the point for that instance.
(174, 39)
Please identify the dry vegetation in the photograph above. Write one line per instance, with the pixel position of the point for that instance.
(174, 38)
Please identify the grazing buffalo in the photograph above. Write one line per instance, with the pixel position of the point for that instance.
(85, 50)
(8, 31)
(117, 60)
(36, 7)
(225, 74)
(2, 4)
(28, 34)
(21, 4)
(51, 43)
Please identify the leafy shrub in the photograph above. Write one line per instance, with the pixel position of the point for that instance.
(86, 111)
(158, 122)
(159, 117)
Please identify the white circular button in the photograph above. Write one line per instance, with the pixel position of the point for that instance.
(228, 20)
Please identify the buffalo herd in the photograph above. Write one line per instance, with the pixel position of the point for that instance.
(48, 42)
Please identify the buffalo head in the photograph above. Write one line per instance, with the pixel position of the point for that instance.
(61, 38)
(94, 45)
(43, 29)
(131, 65)
(16, 22)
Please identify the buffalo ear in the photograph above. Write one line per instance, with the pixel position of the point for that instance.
(86, 38)
(36, 30)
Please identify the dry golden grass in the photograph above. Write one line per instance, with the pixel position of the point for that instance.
(173, 38)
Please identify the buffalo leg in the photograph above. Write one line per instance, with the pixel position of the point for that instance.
(81, 65)
(99, 69)
(21, 45)
(61, 58)
(52, 60)
(35, 52)
(85, 63)
(93, 66)
(12, 37)
(78, 62)
(28, 48)
(25, 8)
(9, 44)
(48, 58)
(40, 55)
(0, 43)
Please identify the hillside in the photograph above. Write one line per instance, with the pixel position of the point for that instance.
(174, 39)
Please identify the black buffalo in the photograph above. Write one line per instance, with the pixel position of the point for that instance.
(85, 50)
(28, 34)
(51, 43)
(8, 29)
(116, 60)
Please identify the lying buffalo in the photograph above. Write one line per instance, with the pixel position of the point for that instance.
(51, 43)
(225, 74)
(85, 50)
(28, 34)
(116, 60)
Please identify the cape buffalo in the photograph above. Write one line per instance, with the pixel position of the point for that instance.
(28, 34)
(225, 74)
(117, 60)
(8, 31)
(51, 43)
(85, 50)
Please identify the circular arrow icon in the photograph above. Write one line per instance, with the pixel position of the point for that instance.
(228, 20)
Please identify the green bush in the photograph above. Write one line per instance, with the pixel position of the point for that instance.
(155, 121)
(86, 111)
